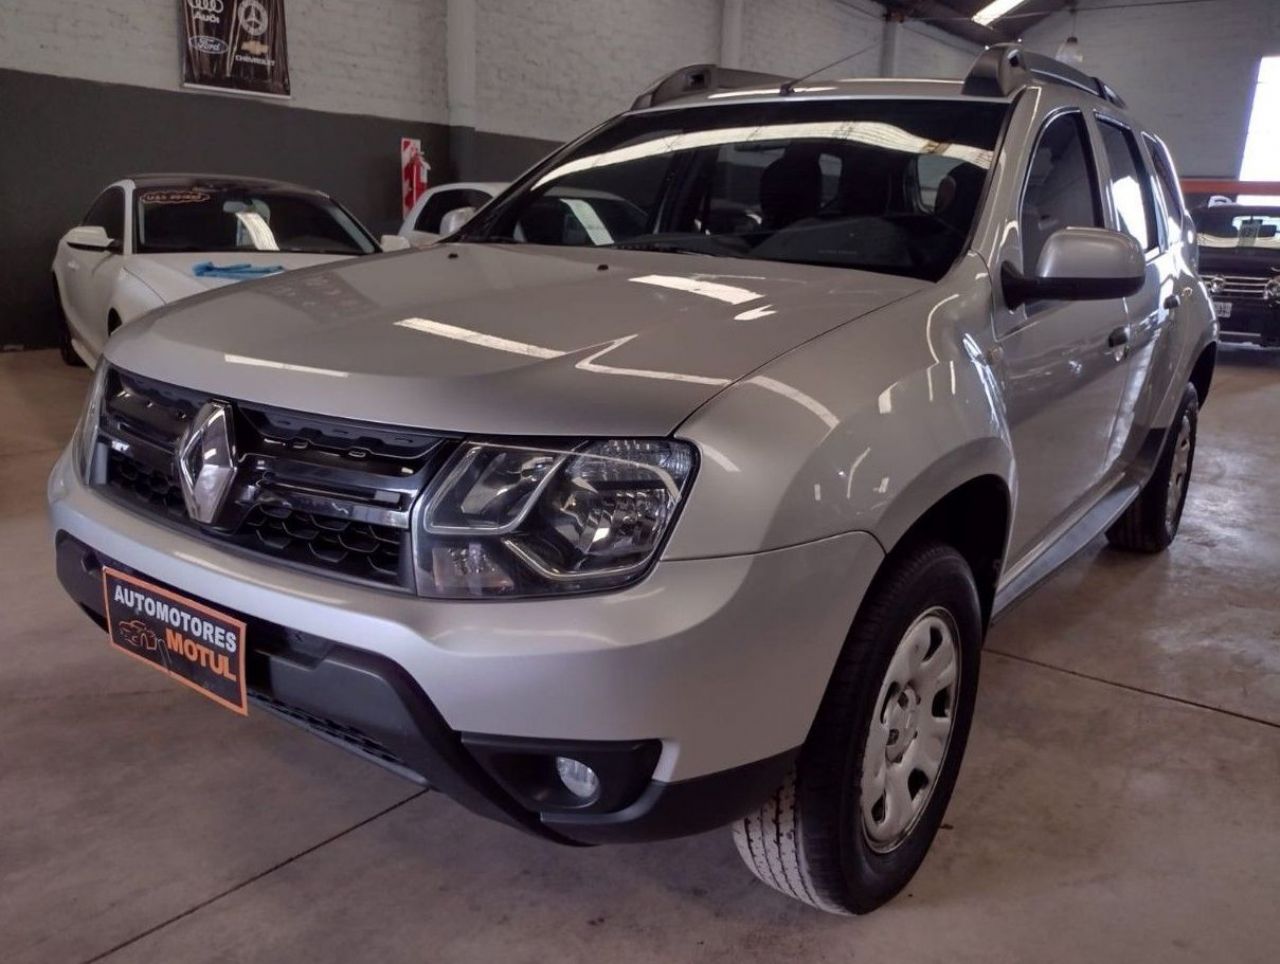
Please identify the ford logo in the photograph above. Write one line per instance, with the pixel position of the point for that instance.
(208, 45)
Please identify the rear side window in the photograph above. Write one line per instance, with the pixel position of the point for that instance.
(1165, 178)
(107, 212)
(1062, 188)
(442, 202)
(1130, 185)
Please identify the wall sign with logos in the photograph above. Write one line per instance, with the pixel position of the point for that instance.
(235, 45)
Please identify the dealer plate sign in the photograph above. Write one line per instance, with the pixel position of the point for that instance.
(198, 646)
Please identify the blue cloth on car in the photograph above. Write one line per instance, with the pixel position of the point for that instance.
(236, 272)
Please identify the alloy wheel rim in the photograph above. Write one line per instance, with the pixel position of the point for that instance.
(910, 730)
(1178, 471)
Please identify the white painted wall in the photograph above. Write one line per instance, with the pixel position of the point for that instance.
(380, 57)
(1187, 71)
(796, 36)
(926, 51)
(553, 68)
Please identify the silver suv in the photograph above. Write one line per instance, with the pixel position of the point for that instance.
(679, 488)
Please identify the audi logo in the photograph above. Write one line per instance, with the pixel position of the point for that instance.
(205, 6)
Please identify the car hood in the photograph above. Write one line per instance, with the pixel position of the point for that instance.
(170, 277)
(500, 339)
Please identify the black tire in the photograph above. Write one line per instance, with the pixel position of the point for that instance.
(810, 839)
(65, 349)
(1151, 522)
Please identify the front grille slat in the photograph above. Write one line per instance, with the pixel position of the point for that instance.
(1236, 287)
(312, 492)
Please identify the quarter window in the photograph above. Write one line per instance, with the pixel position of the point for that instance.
(1062, 189)
(1130, 185)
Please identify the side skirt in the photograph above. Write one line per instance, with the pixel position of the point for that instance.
(1094, 522)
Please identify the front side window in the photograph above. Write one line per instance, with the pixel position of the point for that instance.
(1130, 185)
(107, 212)
(831, 183)
(1061, 190)
(198, 218)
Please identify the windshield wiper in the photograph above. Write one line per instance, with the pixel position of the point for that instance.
(489, 239)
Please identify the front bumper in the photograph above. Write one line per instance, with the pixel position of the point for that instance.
(699, 683)
(1254, 322)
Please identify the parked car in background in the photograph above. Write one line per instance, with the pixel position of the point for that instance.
(679, 487)
(1240, 262)
(425, 221)
(144, 240)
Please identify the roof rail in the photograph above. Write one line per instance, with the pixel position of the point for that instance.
(699, 78)
(1002, 69)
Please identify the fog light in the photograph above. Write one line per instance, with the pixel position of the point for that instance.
(578, 778)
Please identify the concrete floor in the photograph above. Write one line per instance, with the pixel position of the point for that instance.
(1120, 800)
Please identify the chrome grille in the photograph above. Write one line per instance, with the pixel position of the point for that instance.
(1242, 288)
(310, 491)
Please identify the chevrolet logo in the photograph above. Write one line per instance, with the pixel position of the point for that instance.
(206, 461)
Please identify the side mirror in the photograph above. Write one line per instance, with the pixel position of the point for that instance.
(393, 242)
(90, 237)
(1079, 264)
(455, 220)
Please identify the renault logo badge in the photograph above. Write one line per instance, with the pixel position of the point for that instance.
(206, 460)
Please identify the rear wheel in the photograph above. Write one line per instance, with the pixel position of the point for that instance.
(851, 824)
(1151, 522)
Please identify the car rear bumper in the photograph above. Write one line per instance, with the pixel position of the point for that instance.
(689, 692)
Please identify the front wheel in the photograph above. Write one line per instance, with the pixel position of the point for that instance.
(853, 821)
(65, 348)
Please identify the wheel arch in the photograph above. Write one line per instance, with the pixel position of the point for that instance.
(965, 500)
(1202, 371)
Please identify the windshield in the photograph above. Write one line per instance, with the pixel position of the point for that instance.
(882, 185)
(236, 219)
(1240, 230)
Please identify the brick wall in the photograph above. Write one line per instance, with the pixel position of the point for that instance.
(793, 37)
(553, 68)
(925, 51)
(1187, 71)
(379, 57)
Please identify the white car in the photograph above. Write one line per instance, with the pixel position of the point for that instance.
(149, 240)
(426, 222)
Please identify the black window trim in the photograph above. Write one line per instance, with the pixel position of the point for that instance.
(118, 244)
(1091, 159)
(1160, 157)
(1161, 242)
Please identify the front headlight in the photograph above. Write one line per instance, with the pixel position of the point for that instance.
(510, 520)
(86, 436)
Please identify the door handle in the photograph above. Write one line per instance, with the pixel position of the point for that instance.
(1173, 302)
(1119, 337)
